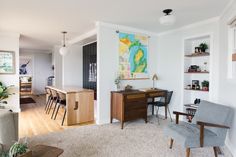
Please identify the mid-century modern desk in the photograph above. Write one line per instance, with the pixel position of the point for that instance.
(130, 105)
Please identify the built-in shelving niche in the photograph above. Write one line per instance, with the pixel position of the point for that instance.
(202, 60)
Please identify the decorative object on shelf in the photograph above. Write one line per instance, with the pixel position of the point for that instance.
(195, 83)
(64, 50)
(19, 150)
(117, 82)
(197, 101)
(205, 66)
(4, 94)
(205, 85)
(188, 86)
(194, 68)
(7, 62)
(128, 88)
(133, 53)
(198, 50)
(154, 79)
(203, 47)
(168, 18)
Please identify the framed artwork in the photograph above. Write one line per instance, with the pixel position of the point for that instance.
(133, 56)
(7, 62)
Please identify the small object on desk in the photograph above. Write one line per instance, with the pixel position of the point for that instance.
(154, 78)
(128, 88)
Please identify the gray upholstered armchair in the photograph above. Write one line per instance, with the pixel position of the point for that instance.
(8, 128)
(208, 128)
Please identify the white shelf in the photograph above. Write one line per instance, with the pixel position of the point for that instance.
(191, 58)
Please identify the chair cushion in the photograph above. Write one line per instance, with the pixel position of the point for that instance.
(188, 135)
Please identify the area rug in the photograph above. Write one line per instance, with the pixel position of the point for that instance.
(137, 139)
(27, 100)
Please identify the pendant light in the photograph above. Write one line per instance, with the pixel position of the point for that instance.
(168, 18)
(64, 50)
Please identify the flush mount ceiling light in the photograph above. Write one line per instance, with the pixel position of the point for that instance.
(168, 18)
(64, 50)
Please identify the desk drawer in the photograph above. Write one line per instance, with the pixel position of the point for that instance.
(135, 105)
(135, 114)
(157, 94)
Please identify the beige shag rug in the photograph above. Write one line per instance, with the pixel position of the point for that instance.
(137, 139)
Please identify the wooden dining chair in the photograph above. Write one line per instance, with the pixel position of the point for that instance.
(61, 103)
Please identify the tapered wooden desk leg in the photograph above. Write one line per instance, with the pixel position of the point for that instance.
(111, 119)
(188, 152)
(171, 143)
(122, 125)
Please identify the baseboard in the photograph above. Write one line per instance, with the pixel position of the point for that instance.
(229, 148)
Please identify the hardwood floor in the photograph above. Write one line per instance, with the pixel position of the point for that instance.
(34, 121)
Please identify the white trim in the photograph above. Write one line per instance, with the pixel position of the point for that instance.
(230, 147)
(226, 8)
(82, 37)
(126, 28)
(197, 24)
(94, 41)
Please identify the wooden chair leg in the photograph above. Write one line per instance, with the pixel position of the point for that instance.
(57, 111)
(63, 118)
(171, 143)
(215, 151)
(54, 109)
(188, 152)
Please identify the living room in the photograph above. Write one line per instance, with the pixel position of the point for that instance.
(184, 47)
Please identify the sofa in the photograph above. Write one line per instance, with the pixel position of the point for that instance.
(8, 128)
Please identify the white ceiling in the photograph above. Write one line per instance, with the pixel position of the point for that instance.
(41, 21)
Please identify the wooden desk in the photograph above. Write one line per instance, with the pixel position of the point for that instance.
(79, 104)
(130, 105)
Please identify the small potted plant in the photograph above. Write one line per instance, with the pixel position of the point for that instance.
(20, 150)
(205, 85)
(4, 94)
(117, 82)
(203, 47)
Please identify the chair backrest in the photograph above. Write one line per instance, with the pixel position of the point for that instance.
(61, 96)
(214, 113)
(169, 96)
(53, 92)
(47, 90)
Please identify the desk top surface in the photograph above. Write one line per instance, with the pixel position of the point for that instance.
(69, 89)
(143, 90)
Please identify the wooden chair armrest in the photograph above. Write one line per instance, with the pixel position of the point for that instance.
(180, 113)
(212, 125)
(203, 124)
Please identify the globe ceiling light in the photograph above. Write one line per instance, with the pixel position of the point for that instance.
(168, 18)
(64, 50)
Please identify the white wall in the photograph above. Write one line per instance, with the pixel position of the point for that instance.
(227, 87)
(170, 61)
(57, 62)
(107, 61)
(73, 66)
(10, 42)
(42, 68)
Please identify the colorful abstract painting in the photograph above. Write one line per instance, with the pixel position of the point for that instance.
(133, 56)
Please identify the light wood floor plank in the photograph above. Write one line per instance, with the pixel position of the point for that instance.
(34, 121)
